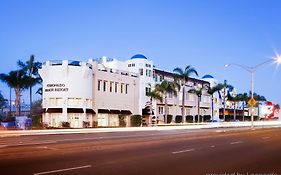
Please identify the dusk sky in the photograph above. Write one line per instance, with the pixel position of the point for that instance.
(205, 34)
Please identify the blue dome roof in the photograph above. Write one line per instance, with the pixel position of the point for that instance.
(207, 76)
(138, 56)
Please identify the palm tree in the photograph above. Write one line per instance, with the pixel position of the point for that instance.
(153, 95)
(162, 90)
(234, 99)
(3, 102)
(183, 75)
(243, 98)
(16, 80)
(226, 87)
(198, 92)
(31, 69)
(212, 91)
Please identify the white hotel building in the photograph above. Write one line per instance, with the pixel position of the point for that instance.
(101, 93)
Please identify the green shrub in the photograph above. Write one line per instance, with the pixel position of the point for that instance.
(86, 124)
(206, 117)
(178, 119)
(65, 124)
(122, 121)
(196, 118)
(169, 118)
(95, 124)
(189, 118)
(36, 121)
(136, 120)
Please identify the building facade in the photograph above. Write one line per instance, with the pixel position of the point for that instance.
(107, 92)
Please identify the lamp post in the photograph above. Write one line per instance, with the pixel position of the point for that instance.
(252, 70)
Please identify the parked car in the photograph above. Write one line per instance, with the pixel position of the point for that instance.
(212, 121)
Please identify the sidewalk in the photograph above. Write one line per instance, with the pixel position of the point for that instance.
(8, 133)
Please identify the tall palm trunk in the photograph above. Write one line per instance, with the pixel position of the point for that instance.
(183, 103)
(17, 101)
(212, 107)
(234, 112)
(30, 100)
(166, 110)
(224, 94)
(243, 115)
(198, 108)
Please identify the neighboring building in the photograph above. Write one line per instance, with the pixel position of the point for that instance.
(175, 103)
(103, 92)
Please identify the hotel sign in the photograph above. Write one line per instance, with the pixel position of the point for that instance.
(56, 88)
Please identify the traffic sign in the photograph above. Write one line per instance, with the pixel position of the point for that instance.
(252, 102)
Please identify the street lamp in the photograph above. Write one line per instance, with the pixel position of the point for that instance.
(252, 70)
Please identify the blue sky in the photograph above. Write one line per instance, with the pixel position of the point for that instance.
(205, 34)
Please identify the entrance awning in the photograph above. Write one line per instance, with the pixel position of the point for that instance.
(90, 111)
(75, 110)
(54, 110)
(126, 112)
(113, 111)
(103, 111)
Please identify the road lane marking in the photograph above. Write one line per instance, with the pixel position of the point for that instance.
(61, 170)
(221, 131)
(27, 144)
(238, 142)
(212, 146)
(183, 151)
(265, 138)
(3, 146)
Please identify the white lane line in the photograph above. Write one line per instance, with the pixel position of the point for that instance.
(27, 144)
(264, 138)
(212, 146)
(61, 170)
(3, 146)
(183, 151)
(238, 142)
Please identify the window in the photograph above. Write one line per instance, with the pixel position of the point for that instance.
(147, 65)
(122, 87)
(133, 65)
(111, 86)
(161, 78)
(187, 111)
(126, 88)
(147, 90)
(74, 101)
(89, 103)
(190, 97)
(215, 100)
(104, 85)
(170, 95)
(52, 102)
(71, 102)
(78, 101)
(156, 78)
(59, 101)
(149, 73)
(99, 85)
(141, 71)
(129, 65)
(116, 87)
(161, 110)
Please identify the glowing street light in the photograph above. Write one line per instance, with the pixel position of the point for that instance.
(276, 60)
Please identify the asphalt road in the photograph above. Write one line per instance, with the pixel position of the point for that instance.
(208, 151)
